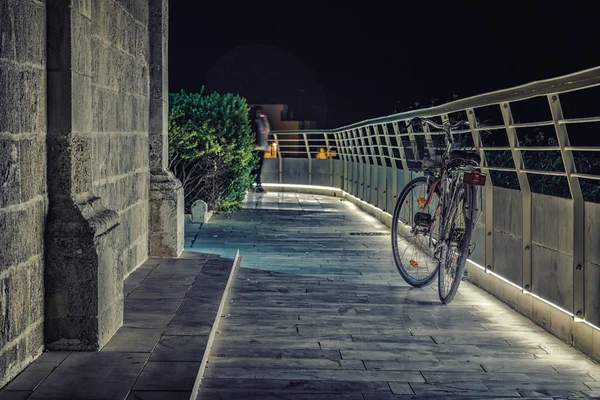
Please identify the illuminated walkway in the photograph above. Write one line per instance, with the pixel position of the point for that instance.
(318, 311)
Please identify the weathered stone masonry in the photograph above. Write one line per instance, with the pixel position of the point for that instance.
(85, 195)
(23, 195)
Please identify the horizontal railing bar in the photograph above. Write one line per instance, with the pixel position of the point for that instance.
(528, 171)
(495, 148)
(538, 148)
(586, 176)
(582, 148)
(531, 124)
(289, 140)
(416, 133)
(539, 172)
(489, 128)
(503, 169)
(582, 120)
(485, 148)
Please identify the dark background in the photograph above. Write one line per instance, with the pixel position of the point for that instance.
(370, 59)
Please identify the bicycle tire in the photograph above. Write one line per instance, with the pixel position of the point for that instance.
(464, 247)
(402, 268)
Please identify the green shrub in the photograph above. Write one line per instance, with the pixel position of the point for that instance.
(211, 148)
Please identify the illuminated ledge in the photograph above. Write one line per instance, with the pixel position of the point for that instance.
(553, 318)
(310, 189)
(577, 332)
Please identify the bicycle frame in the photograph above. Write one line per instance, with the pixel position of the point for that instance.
(446, 230)
(449, 143)
(448, 192)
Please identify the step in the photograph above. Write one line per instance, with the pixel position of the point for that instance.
(172, 309)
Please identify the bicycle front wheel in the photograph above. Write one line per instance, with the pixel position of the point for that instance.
(415, 231)
(455, 250)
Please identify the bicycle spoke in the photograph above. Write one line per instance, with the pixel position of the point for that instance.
(412, 243)
(456, 240)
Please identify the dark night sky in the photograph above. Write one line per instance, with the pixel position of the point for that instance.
(368, 57)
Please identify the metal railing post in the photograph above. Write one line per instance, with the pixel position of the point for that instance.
(360, 182)
(402, 152)
(412, 139)
(356, 167)
(280, 158)
(330, 159)
(394, 166)
(342, 157)
(366, 167)
(578, 237)
(381, 186)
(353, 176)
(525, 191)
(372, 186)
(489, 190)
(309, 158)
(428, 140)
(349, 162)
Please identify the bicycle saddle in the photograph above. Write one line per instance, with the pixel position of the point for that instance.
(455, 155)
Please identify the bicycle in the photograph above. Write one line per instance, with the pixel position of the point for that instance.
(435, 215)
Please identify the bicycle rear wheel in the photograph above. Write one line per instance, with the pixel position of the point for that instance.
(413, 246)
(455, 251)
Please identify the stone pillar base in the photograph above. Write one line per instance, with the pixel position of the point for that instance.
(84, 277)
(166, 215)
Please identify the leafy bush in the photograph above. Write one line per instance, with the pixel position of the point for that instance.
(211, 148)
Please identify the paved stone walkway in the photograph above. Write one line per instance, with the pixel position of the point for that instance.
(318, 311)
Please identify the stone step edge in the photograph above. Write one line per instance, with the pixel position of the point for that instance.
(211, 337)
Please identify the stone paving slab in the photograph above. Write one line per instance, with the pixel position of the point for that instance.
(235, 395)
(317, 311)
(167, 376)
(163, 395)
(180, 348)
(302, 386)
(150, 357)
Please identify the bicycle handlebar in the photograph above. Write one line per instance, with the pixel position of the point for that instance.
(439, 126)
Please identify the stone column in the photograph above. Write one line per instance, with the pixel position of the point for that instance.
(166, 192)
(83, 281)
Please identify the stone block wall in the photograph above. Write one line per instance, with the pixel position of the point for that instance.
(85, 195)
(23, 196)
(120, 101)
